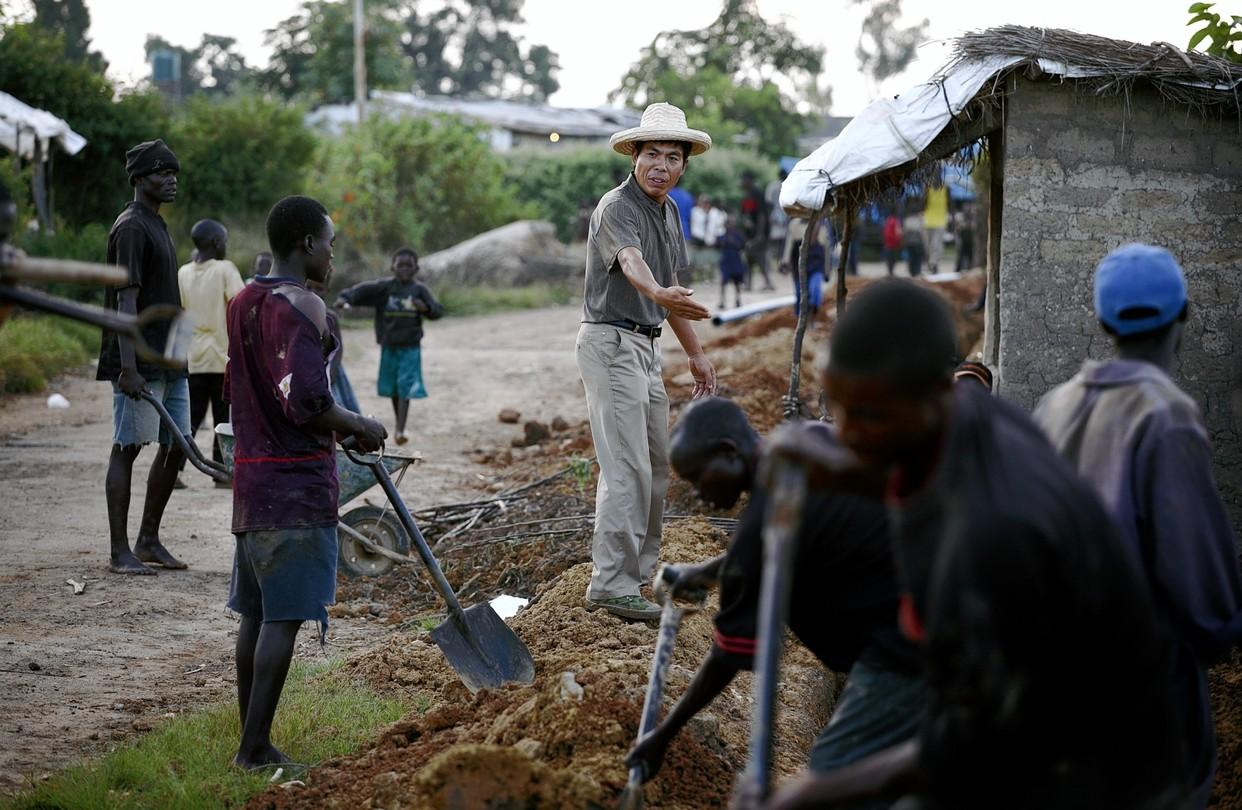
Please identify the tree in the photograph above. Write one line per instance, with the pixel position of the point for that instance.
(457, 47)
(427, 182)
(1222, 36)
(214, 67)
(747, 78)
(313, 51)
(884, 47)
(90, 186)
(238, 156)
(489, 59)
(72, 20)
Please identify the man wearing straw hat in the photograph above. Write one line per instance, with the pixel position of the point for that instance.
(635, 249)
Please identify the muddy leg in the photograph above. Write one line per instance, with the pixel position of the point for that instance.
(116, 491)
(273, 652)
(247, 638)
(160, 480)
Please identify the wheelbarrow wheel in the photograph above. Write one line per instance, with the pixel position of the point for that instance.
(381, 528)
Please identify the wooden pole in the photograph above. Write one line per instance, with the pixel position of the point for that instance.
(847, 237)
(996, 205)
(793, 402)
(360, 62)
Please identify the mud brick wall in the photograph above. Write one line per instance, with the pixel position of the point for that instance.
(1084, 174)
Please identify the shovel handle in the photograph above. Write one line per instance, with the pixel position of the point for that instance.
(780, 534)
(411, 528)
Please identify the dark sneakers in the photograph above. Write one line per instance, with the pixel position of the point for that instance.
(634, 608)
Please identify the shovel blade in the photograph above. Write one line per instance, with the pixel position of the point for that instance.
(483, 650)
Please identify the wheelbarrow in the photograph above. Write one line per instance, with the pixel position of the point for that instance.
(365, 532)
(371, 539)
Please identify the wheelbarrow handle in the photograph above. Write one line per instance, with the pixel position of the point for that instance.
(118, 322)
(211, 469)
(377, 467)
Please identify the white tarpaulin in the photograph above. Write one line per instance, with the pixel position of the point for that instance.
(20, 124)
(888, 133)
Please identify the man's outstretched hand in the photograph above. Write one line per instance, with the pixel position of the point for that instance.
(678, 302)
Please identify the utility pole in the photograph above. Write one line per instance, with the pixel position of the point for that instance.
(360, 63)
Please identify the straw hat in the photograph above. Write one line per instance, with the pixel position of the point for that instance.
(661, 122)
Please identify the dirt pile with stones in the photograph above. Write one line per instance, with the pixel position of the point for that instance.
(560, 742)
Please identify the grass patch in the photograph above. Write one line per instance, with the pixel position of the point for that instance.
(185, 762)
(486, 300)
(35, 347)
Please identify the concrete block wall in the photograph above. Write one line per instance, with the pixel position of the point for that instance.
(1084, 174)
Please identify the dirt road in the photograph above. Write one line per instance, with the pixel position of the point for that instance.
(80, 672)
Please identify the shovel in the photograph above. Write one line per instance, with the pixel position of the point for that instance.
(670, 621)
(478, 644)
(780, 532)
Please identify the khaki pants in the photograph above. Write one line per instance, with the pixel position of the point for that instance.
(629, 424)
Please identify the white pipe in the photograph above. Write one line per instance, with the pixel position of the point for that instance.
(731, 315)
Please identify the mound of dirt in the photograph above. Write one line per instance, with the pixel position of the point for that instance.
(545, 746)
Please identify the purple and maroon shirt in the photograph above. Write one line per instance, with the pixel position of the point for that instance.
(284, 471)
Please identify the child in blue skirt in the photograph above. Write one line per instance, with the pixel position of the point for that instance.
(401, 304)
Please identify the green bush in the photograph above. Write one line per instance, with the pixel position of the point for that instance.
(238, 157)
(86, 244)
(34, 348)
(556, 181)
(425, 182)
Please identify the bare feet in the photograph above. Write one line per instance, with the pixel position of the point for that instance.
(127, 563)
(261, 758)
(153, 551)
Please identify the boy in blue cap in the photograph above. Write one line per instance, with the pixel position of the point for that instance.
(1140, 441)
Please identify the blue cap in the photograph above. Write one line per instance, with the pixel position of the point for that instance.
(1138, 288)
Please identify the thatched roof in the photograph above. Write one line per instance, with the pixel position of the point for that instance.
(1111, 64)
(876, 155)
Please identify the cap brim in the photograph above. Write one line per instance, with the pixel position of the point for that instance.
(623, 141)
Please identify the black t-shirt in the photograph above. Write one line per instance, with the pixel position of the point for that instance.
(1048, 673)
(843, 603)
(139, 242)
(397, 322)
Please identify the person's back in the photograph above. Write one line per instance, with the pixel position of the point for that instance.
(206, 288)
(1139, 440)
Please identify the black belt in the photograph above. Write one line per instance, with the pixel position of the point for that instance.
(641, 328)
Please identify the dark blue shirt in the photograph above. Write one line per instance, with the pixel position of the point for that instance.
(1139, 440)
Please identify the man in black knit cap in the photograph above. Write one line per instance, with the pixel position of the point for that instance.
(139, 243)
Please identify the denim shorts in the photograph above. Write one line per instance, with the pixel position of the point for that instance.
(285, 575)
(135, 421)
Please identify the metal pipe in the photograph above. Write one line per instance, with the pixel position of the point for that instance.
(731, 315)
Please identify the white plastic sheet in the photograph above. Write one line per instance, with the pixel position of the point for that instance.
(20, 124)
(889, 132)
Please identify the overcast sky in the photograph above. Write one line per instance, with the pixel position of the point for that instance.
(598, 41)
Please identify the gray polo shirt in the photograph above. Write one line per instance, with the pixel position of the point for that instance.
(627, 217)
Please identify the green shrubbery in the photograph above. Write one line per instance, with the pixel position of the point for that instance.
(34, 348)
(429, 182)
